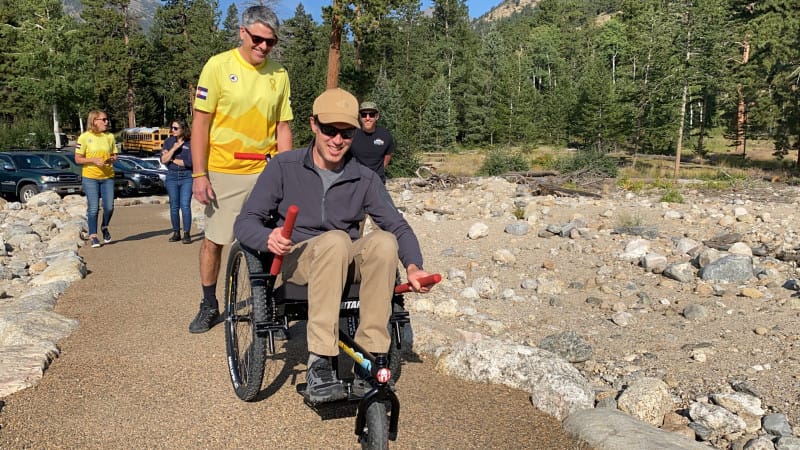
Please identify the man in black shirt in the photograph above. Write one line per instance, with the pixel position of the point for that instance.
(372, 145)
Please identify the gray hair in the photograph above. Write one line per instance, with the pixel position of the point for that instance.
(260, 14)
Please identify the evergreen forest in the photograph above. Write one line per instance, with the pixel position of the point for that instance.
(637, 76)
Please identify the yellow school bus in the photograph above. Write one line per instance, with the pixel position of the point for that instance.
(143, 139)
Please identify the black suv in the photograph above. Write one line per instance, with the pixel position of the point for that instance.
(66, 161)
(24, 174)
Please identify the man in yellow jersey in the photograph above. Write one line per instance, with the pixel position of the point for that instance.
(241, 105)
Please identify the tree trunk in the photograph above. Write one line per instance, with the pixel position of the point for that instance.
(740, 121)
(191, 98)
(335, 47)
(679, 147)
(682, 125)
(702, 122)
(56, 126)
(741, 110)
(358, 43)
(130, 96)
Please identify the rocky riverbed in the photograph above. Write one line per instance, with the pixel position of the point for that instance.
(684, 316)
(681, 315)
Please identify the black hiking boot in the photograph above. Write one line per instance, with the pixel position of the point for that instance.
(176, 236)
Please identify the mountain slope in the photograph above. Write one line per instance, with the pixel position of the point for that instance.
(506, 9)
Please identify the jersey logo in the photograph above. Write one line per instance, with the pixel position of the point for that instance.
(233, 78)
(378, 141)
(202, 93)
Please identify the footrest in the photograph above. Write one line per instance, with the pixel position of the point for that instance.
(301, 389)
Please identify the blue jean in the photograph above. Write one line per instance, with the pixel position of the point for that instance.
(179, 189)
(94, 190)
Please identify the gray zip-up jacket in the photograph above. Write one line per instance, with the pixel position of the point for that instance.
(290, 179)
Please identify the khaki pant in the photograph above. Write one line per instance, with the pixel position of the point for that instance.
(231, 192)
(323, 263)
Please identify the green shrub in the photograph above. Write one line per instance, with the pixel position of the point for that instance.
(26, 134)
(585, 159)
(672, 195)
(501, 161)
(403, 163)
(627, 184)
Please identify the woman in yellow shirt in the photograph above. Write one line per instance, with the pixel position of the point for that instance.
(97, 151)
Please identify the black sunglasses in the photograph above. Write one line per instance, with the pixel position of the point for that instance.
(332, 131)
(175, 128)
(258, 40)
(370, 114)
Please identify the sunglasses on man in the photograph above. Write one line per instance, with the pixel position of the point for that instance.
(332, 131)
(258, 40)
(370, 114)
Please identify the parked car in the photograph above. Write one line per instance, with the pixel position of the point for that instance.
(66, 161)
(137, 181)
(141, 164)
(25, 174)
(152, 162)
(61, 161)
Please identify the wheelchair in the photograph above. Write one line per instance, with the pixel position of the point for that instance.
(257, 313)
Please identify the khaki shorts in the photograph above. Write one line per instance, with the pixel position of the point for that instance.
(231, 191)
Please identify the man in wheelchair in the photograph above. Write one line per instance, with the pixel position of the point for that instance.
(333, 192)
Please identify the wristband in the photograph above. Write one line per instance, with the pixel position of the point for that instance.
(199, 174)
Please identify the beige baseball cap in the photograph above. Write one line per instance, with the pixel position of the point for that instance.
(337, 105)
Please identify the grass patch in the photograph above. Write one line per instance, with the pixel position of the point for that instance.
(629, 220)
(672, 195)
(629, 184)
(584, 159)
(500, 161)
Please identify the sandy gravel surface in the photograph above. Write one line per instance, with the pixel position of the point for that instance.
(133, 376)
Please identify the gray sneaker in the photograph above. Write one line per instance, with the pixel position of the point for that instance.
(321, 383)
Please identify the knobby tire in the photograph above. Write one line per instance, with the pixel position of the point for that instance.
(245, 307)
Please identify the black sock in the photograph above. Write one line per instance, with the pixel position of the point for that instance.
(210, 296)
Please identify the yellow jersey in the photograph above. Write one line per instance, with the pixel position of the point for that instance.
(94, 145)
(246, 103)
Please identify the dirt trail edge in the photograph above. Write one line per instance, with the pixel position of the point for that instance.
(133, 376)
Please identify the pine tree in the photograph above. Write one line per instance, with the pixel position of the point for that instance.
(113, 39)
(47, 65)
(304, 56)
(185, 34)
(439, 132)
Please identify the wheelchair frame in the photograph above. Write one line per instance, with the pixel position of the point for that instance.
(266, 312)
(262, 312)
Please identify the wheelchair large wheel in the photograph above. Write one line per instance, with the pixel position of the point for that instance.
(375, 435)
(246, 305)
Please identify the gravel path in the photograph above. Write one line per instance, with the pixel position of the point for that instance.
(133, 376)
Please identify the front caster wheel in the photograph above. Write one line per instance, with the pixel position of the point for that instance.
(375, 435)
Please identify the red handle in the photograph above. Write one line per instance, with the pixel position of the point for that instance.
(256, 156)
(425, 281)
(291, 215)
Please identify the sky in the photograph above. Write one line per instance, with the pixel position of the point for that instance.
(285, 8)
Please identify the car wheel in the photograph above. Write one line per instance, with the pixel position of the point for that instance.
(27, 192)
